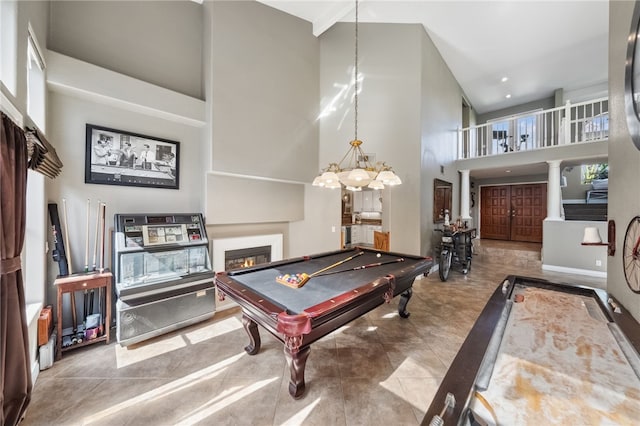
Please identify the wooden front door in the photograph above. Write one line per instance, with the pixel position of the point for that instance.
(513, 212)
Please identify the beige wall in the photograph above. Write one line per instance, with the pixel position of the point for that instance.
(262, 86)
(264, 92)
(440, 115)
(624, 198)
(159, 42)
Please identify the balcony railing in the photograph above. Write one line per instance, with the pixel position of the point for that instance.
(570, 124)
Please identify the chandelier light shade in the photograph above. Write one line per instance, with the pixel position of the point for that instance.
(355, 171)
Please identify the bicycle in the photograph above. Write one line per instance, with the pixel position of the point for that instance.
(456, 248)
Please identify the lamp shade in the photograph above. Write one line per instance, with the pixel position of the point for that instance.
(387, 177)
(347, 181)
(591, 236)
(395, 180)
(376, 184)
(359, 175)
(329, 177)
(333, 185)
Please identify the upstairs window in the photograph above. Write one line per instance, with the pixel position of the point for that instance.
(36, 82)
(8, 45)
(515, 132)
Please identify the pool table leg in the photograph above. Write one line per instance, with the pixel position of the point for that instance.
(296, 360)
(254, 335)
(402, 306)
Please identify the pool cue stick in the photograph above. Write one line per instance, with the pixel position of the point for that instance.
(315, 274)
(91, 298)
(100, 319)
(298, 280)
(102, 242)
(66, 235)
(85, 307)
(86, 242)
(370, 265)
(74, 317)
(95, 242)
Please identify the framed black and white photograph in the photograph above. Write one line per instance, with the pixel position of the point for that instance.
(117, 157)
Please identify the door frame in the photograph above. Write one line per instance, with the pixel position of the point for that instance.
(479, 201)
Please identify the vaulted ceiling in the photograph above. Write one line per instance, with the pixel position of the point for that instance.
(539, 46)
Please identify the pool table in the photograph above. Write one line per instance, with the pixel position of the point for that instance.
(300, 316)
(544, 353)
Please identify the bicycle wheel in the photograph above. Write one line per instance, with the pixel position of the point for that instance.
(466, 266)
(444, 265)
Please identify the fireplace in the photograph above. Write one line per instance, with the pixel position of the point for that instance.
(244, 258)
(239, 252)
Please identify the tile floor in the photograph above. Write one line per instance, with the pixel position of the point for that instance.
(378, 370)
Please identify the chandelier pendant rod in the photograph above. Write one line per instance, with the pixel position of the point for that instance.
(344, 158)
(355, 76)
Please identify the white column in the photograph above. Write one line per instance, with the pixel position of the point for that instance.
(464, 195)
(553, 191)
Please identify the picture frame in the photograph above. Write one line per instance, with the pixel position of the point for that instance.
(118, 157)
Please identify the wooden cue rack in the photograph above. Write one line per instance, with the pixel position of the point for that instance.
(80, 282)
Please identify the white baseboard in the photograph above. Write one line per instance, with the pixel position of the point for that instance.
(564, 269)
(32, 313)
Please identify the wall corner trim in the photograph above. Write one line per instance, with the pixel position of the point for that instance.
(10, 109)
(87, 81)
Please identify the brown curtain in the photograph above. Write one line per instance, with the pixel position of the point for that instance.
(15, 373)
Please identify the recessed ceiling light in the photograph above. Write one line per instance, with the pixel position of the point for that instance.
(504, 79)
(507, 171)
(508, 96)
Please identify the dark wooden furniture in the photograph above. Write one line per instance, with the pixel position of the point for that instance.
(442, 191)
(381, 240)
(80, 282)
(300, 316)
(565, 352)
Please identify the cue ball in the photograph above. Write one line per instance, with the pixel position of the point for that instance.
(378, 255)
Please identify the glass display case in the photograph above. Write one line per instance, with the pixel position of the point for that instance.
(161, 262)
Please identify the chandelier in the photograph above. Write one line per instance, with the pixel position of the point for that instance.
(355, 171)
